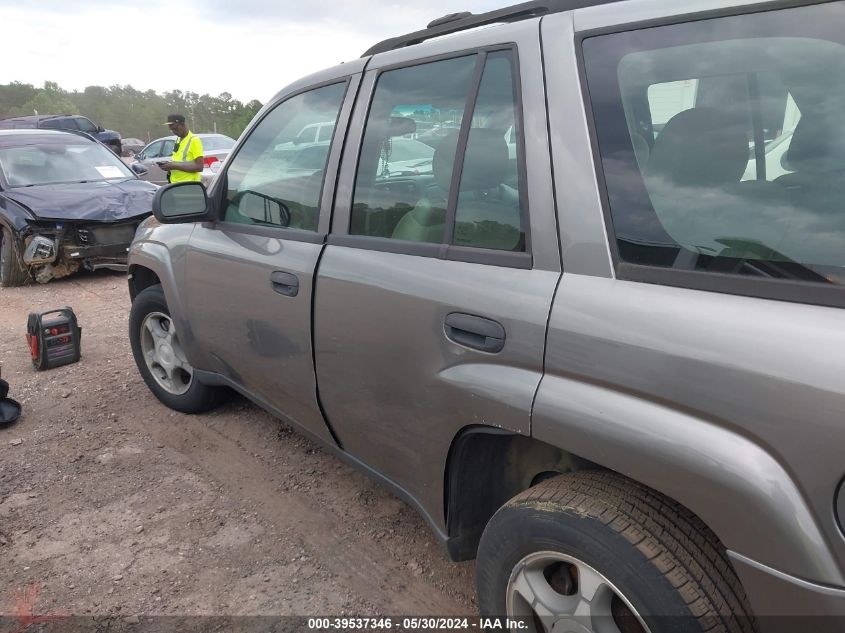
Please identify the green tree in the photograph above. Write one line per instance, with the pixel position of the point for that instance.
(131, 112)
(13, 96)
(50, 100)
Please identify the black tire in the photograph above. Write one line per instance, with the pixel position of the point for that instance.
(12, 270)
(199, 397)
(662, 559)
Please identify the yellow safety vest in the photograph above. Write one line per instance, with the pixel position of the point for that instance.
(180, 155)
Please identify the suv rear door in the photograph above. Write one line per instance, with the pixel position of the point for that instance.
(249, 275)
(431, 306)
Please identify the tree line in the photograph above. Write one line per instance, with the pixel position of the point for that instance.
(131, 112)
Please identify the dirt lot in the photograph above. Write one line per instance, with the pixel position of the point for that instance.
(116, 507)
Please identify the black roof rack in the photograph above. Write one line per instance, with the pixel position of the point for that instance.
(455, 22)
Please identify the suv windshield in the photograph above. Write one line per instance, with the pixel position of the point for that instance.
(50, 162)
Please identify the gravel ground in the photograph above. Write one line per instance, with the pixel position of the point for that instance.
(113, 506)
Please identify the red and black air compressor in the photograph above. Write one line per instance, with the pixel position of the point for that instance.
(53, 341)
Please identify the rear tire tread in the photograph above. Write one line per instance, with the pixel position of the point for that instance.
(673, 539)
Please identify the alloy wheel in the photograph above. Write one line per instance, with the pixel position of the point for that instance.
(555, 593)
(163, 354)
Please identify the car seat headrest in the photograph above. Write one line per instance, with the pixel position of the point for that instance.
(698, 147)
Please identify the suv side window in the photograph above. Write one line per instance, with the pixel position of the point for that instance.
(399, 191)
(275, 179)
(409, 156)
(85, 125)
(488, 214)
(722, 145)
(56, 124)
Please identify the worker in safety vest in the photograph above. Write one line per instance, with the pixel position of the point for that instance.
(185, 163)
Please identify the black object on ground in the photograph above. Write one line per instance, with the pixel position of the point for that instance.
(55, 341)
(10, 410)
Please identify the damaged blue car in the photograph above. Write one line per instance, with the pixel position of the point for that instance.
(66, 203)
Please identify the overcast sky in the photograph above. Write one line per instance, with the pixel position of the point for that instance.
(249, 48)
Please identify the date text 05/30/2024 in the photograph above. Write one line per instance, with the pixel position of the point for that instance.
(415, 624)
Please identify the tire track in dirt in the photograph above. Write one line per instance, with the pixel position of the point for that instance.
(358, 562)
(229, 513)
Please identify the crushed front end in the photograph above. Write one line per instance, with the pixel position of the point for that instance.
(59, 248)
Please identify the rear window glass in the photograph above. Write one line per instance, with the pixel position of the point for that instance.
(212, 143)
(723, 143)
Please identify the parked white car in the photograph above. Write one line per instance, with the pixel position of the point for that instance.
(216, 148)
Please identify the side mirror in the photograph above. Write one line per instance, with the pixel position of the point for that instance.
(138, 168)
(100, 129)
(181, 202)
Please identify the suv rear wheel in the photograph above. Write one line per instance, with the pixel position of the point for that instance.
(160, 358)
(12, 270)
(595, 552)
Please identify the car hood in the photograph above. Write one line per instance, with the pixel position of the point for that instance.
(95, 201)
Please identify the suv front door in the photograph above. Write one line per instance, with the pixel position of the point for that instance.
(250, 275)
(433, 294)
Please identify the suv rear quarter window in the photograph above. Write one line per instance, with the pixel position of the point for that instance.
(722, 143)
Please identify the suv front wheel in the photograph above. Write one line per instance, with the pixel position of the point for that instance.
(160, 358)
(595, 552)
(12, 271)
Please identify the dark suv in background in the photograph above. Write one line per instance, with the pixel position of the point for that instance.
(66, 122)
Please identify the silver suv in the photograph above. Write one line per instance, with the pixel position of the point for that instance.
(609, 361)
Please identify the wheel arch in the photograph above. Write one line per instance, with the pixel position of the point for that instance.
(486, 467)
(730, 481)
(140, 278)
(150, 263)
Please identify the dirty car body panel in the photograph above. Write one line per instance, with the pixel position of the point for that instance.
(722, 392)
(400, 390)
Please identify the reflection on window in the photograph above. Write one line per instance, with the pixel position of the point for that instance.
(488, 213)
(408, 157)
(727, 155)
(277, 175)
(408, 151)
